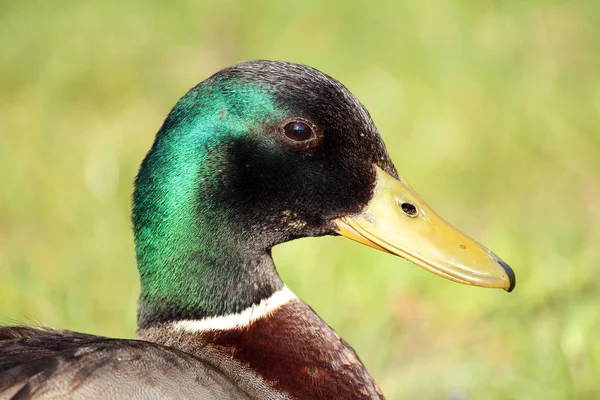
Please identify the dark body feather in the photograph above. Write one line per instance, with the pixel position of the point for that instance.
(40, 363)
(290, 354)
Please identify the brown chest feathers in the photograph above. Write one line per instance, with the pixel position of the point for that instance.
(292, 351)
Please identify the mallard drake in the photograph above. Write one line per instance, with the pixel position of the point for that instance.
(260, 153)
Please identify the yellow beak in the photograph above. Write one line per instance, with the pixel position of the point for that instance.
(398, 221)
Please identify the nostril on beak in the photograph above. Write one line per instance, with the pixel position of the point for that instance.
(409, 209)
(511, 275)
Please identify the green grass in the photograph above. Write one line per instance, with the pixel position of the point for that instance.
(490, 109)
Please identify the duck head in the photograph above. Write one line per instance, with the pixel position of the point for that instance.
(264, 152)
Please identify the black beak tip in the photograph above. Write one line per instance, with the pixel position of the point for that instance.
(511, 275)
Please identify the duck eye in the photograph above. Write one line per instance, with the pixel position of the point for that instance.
(298, 131)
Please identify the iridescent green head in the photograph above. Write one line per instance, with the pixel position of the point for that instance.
(258, 154)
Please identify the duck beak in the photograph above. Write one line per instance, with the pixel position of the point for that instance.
(398, 221)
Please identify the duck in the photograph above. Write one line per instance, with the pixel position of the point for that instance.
(260, 153)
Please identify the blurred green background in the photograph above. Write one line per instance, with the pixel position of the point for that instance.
(491, 109)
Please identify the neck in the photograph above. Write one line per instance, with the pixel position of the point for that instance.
(201, 287)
